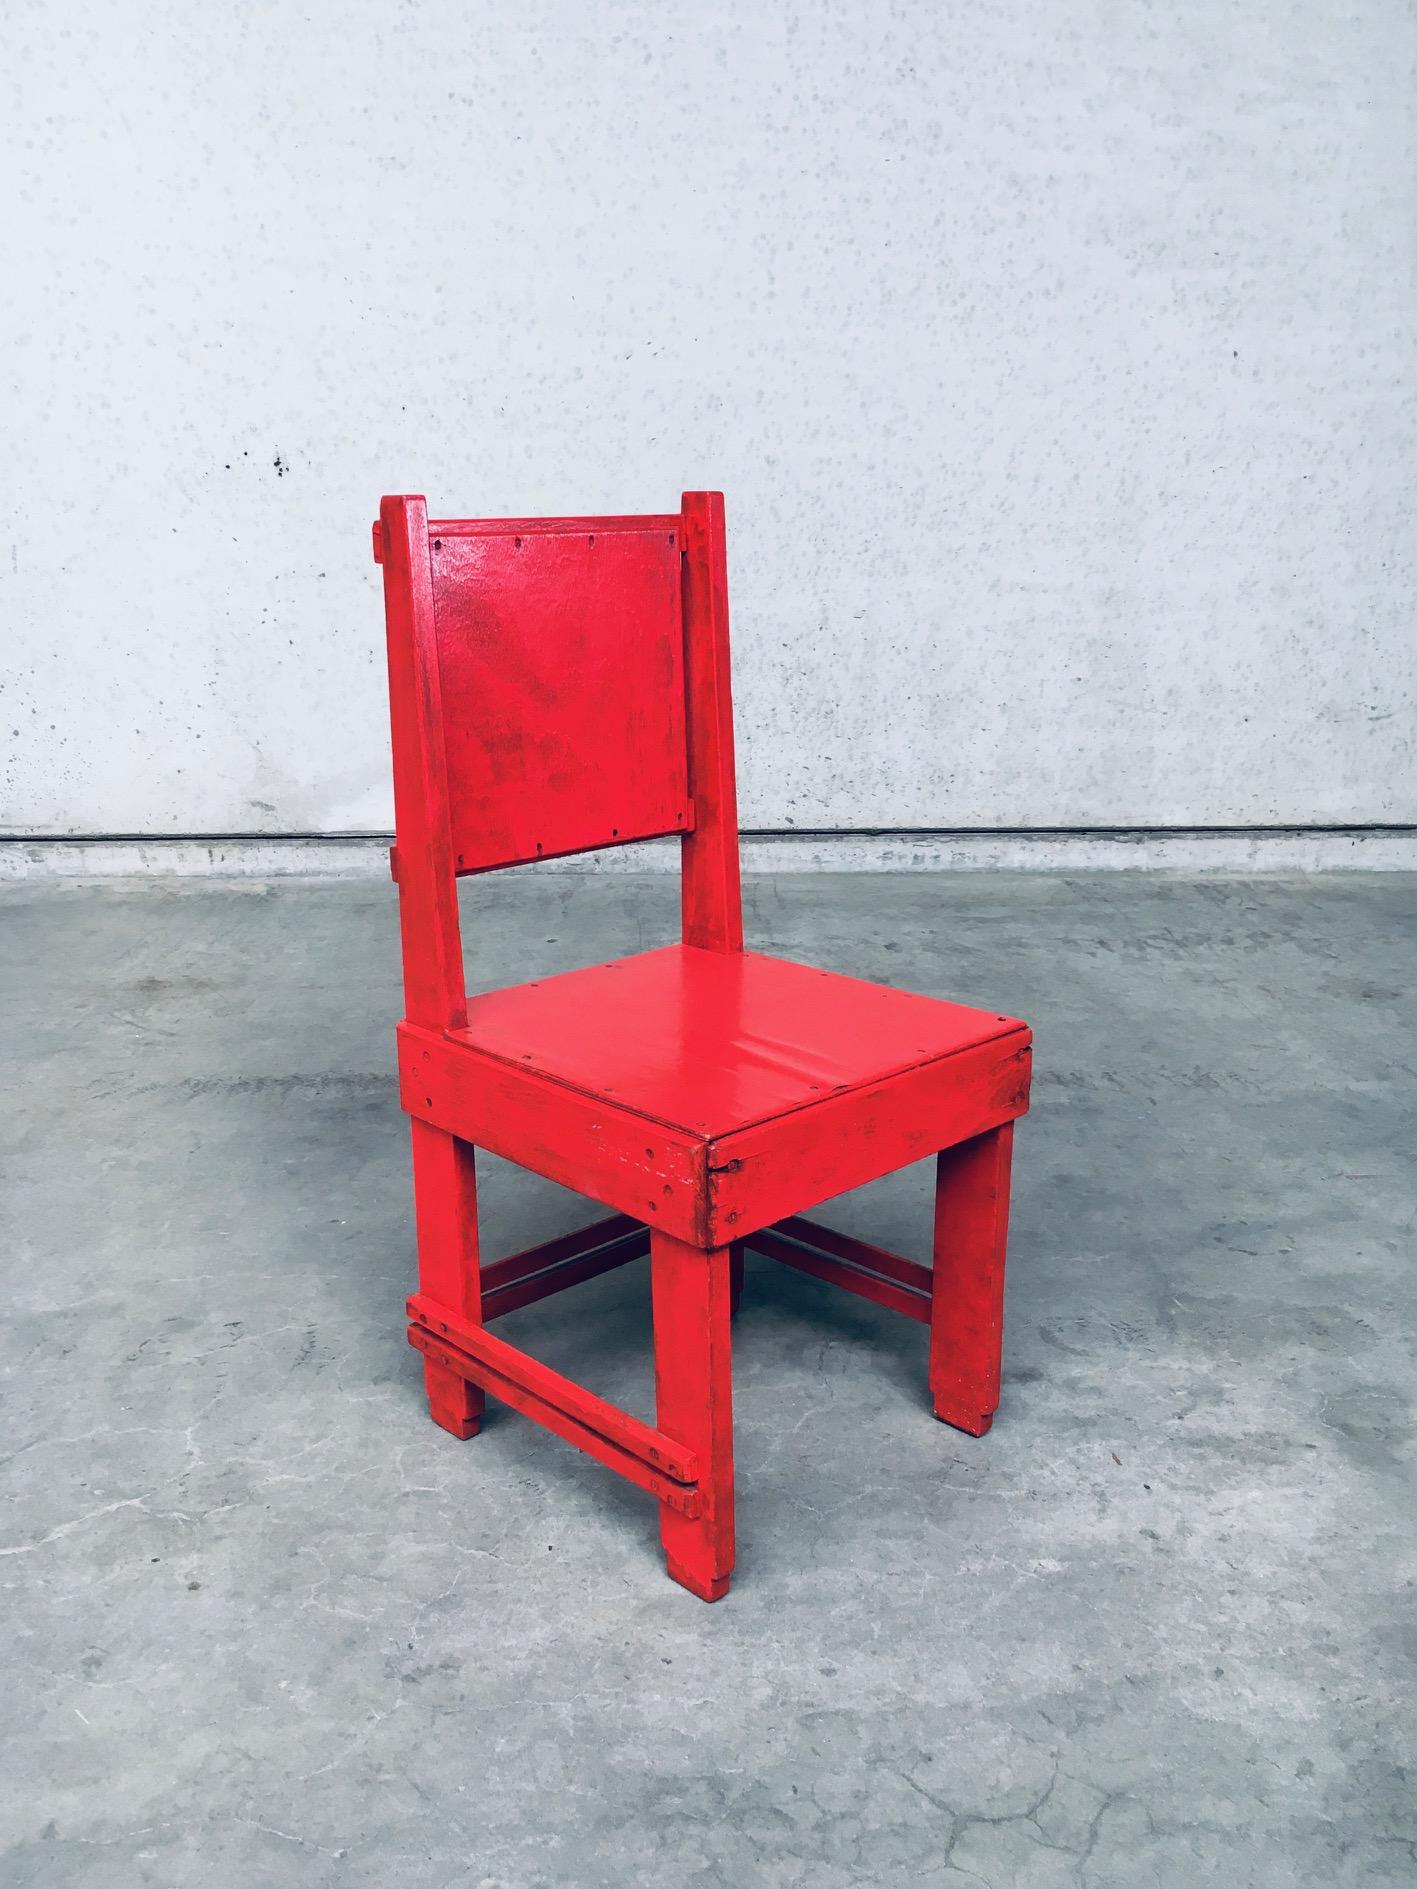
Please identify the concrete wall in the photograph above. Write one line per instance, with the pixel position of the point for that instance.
(1056, 362)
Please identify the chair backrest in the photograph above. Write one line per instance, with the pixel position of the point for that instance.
(556, 685)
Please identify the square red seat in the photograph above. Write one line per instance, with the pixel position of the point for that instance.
(562, 684)
(710, 1042)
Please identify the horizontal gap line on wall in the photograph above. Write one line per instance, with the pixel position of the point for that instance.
(249, 856)
(1051, 832)
(746, 833)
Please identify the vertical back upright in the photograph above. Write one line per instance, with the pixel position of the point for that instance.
(712, 896)
(434, 991)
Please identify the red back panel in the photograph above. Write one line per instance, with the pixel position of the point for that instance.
(561, 662)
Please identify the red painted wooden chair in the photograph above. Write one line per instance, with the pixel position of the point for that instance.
(561, 684)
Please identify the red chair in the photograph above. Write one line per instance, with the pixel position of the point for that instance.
(561, 684)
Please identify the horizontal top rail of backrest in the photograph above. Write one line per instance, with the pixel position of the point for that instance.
(524, 527)
(562, 677)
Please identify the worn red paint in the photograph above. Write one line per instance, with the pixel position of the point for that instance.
(562, 684)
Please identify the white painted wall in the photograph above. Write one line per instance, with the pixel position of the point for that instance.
(1057, 362)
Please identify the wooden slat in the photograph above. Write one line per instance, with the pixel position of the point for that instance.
(570, 1272)
(580, 1140)
(520, 527)
(684, 1498)
(531, 527)
(865, 1285)
(651, 1446)
(905, 1272)
(552, 1252)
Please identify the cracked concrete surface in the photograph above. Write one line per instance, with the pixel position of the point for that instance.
(265, 1625)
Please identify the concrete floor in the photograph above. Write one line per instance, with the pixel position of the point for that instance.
(265, 1625)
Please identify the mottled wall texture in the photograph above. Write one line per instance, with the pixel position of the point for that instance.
(1056, 362)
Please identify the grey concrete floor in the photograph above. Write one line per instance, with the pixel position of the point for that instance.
(265, 1625)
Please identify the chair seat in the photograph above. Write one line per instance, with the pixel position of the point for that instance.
(709, 1043)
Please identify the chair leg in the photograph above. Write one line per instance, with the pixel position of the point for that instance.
(967, 1298)
(690, 1288)
(445, 1212)
(735, 1276)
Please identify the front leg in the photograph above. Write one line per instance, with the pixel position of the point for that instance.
(691, 1290)
(445, 1212)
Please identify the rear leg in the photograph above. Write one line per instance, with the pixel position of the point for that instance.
(967, 1299)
